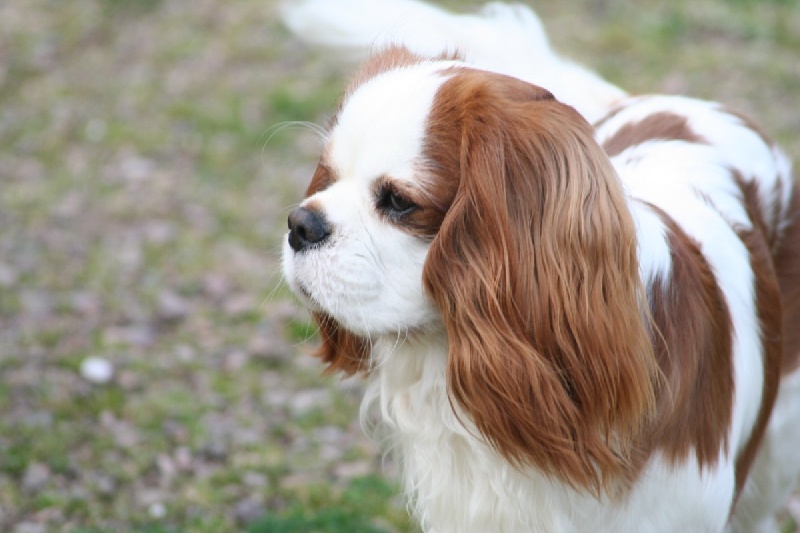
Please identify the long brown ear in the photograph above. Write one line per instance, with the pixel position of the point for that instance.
(535, 272)
(340, 350)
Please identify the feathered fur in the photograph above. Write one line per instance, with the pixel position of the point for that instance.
(563, 327)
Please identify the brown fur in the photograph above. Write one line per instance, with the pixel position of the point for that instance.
(787, 266)
(393, 57)
(432, 205)
(552, 354)
(321, 180)
(693, 344)
(658, 126)
(768, 310)
(775, 303)
(535, 272)
(782, 231)
(340, 350)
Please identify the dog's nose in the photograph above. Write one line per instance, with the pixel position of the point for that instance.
(307, 228)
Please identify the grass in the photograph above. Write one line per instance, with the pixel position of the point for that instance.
(145, 179)
(353, 509)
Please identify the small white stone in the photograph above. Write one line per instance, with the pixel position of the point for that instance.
(97, 369)
(157, 510)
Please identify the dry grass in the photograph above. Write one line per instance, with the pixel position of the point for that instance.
(141, 211)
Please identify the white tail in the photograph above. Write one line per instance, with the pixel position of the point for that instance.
(508, 39)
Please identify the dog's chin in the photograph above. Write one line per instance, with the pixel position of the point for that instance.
(356, 321)
(298, 288)
(378, 312)
(305, 296)
(313, 305)
(307, 299)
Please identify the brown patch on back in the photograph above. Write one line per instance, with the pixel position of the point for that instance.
(658, 126)
(787, 266)
(615, 110)
(768, 311)
(783, 240)
(765, 219)
(758, 241)
(693, 345)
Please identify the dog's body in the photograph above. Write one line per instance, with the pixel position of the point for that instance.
(564, 328)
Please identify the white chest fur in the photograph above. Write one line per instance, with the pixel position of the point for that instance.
(457, 483)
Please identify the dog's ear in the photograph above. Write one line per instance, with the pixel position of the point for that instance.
(340, 350)
(535, 272)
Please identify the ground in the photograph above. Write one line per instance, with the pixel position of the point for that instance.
(146, 172)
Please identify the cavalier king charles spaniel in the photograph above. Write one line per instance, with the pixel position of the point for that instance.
(576, 310)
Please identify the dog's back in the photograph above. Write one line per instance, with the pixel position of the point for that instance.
(712, 175)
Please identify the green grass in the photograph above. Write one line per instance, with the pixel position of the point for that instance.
(148, 157)
(320, 510)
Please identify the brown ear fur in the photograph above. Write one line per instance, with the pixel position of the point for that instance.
(535, 272)
(340, 350)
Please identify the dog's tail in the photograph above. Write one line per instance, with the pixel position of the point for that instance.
(508, 39)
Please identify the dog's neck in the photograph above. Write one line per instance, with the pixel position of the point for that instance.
(445, 464)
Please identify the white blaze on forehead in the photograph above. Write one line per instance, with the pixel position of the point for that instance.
(381, 127)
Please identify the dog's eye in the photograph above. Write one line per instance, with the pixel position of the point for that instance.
(394, 204)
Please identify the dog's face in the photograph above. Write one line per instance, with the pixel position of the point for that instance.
(358, 242)
(454, 200)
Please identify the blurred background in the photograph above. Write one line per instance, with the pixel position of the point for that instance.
(154, 370)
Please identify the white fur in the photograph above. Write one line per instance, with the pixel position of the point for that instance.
(362, 278)
(508, 39)
(369, 279)
(458, 484)
(777, 465)
(692, 183)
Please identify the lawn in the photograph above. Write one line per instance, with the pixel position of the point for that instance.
(146, 171)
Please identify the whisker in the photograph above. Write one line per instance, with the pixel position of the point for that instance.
(307, 340)
(279, 127)
(276, 286)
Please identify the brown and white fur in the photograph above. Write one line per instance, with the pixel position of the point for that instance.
(564, 327)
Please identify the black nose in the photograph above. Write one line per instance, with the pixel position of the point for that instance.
(307, 227)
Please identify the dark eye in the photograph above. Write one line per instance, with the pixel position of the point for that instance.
(394, 204)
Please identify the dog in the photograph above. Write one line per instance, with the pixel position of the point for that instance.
(575, 309)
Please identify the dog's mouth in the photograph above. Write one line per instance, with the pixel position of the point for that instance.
(295, 281)
(306, 297)
(305, 293)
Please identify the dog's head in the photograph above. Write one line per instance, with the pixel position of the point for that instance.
(457, 200)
